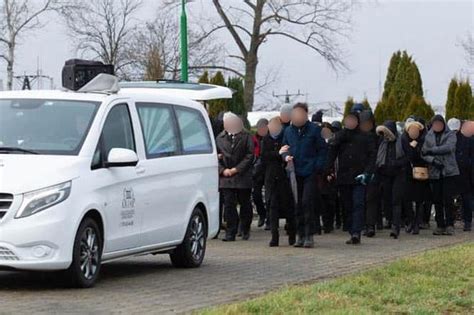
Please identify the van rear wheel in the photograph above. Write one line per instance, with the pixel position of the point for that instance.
(191, 252)
(86, 256)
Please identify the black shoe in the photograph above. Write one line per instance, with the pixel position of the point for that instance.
(439, 231)
(245, 236)
(409, 228)
(239, 234)
(370, 231)
(275, 240)
(416, 229)
(299, 242)
(467, 227)
(394, 235)
(291, 239)
(449, 230)
(327, 230)
(261, 221)
(309, 242)
(353, 241)
(267, 227)
(229, 238)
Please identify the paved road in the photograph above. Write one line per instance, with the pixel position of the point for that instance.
(149, 284)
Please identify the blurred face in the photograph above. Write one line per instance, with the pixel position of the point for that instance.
(350, 122)
(299, 117)
(274, 127)
(367, 126)
(437, 126)
(413, 132)
(262, 131)
(326, 133)
(285, 118)
(467, 129)
(233, 125)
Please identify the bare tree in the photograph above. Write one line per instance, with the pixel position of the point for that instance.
(315, 24)
(102, 29)
(161, 36)
(17, 18)
(467, 44)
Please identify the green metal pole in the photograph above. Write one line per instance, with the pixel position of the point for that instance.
(184, 42)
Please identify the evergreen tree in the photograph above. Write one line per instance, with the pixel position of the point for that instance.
(366, 104)
(379, 112)
(217, 106)
(391, 74)
(463, 101)
(348, 105)
(236, 104)
(419, 108)
(204, 78)
(453, 85)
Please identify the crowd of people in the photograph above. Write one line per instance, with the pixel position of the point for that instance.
(350, 175)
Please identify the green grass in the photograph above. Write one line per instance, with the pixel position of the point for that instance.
(436, 282)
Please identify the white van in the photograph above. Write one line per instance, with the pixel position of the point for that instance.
(92, 176)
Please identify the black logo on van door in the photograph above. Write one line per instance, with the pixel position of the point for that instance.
(128, 206)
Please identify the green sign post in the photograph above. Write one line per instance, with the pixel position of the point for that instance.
(184, 42)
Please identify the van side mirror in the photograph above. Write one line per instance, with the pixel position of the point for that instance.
(121, 158)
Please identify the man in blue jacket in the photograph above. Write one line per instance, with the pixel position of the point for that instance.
(304, 146)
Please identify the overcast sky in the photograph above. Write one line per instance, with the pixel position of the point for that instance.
(429, 30)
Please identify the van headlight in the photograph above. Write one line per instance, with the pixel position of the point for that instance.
(42, 199)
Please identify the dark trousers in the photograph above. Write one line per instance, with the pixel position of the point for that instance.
(372, 216)
(467, 203)
(257, 198)
(328, 212)
(305, 213)
(444, 211)
(232, 197)
(427, 211)
(278, 197)
(386, 186)
(353, 200)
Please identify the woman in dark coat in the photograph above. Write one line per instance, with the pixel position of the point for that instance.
(277, 189)
(417, 191)
(236, 156)
(439, 150)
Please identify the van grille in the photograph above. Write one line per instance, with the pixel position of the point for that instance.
(6, 254)
(6, 201)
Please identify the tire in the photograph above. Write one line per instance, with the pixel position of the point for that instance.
(190, 254)
(87, 255)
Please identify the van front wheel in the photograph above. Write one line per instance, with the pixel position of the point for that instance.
(190, 253)
(86, 257)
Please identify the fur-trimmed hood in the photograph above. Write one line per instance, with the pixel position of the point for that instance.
(388, 130)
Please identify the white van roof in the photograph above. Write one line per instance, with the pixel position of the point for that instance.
(192, 91)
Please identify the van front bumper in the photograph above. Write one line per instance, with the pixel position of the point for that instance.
(43, 241)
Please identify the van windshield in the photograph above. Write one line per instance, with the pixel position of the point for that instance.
(40, 126)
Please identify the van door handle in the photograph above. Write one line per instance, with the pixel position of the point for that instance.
(140, 170)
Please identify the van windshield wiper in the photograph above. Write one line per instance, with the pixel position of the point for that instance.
(15, 149)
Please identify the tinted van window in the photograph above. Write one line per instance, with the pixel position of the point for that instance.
(158, 129)
(194, 132)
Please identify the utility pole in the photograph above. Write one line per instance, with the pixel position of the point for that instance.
(287, 96)
(184, 42)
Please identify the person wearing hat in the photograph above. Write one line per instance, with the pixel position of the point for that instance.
(317, 118)
(417, 190)
(259, 171)
(465, 160)
(236, 155)
(439, 150)
(285, 116)
(355, 152)
(305, 148)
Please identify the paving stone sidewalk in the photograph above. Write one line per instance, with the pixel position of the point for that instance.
(232, 271)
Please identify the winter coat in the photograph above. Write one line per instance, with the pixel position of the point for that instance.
(237, 152)
(259, 167)
(441, 147)
(276, 179)
(307, 147)
(465, 160)
(356, 153)
(386, 163)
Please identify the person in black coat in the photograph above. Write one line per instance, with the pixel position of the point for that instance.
(259, 172)
(465, 160)
(355, 152)
(236, 155)
(372, 214)
(277, 189)
(416, 190)
(391, 171)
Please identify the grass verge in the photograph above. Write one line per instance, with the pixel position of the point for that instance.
(439, 281)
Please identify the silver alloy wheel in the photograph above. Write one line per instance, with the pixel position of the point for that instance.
(89, 253)
(197, 237)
